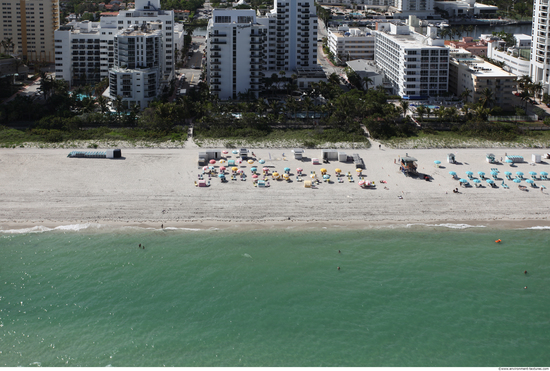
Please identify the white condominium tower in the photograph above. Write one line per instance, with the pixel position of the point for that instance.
(30, 24)
(416, 65)
(135, 76)
(540, 44)
(84, 51)
(296, 34)
(242, 49)
(236, 53)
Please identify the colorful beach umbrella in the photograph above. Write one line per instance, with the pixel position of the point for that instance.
(494, 172)
(543, 173)
(205, 168)
(286, 169)
(222, 168)
(239, 171)
(222, 161)
(262, 161)
(361, 182)
(235, 152)
(480, 173)
(477, 181)
(255, 176)
(532, 173)
(250, 161)
(225, 152)
(437, 162)
(507, 173)
(490, 181)
(338, 171)
(452, 173)
(326, 176)
(212, 161)
(253, 169)
(508, 161)
(358, 170)
(234, 168)
(517, 180)
(463, 180)
(299, 169)
(469, 173)
(519, 173)
(221, 176)
(323, 170)
(211, 167)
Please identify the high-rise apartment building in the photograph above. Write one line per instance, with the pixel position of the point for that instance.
(416, 65)
(243, 48)
(236, 46)
(540, 44)
(86, 51)
(30, 24)
(137, 69)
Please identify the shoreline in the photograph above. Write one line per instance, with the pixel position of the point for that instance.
(248, 225)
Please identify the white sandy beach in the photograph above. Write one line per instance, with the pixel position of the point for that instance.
(154, 186)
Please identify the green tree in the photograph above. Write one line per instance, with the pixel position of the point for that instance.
(487, 98)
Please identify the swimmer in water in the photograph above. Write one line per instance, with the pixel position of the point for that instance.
(339, 251)
(525, 272)
(140, 246)
(338, 268)
(525, 288)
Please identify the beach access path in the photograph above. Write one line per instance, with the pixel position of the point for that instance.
(153, 186)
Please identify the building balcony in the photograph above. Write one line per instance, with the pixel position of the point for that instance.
(218, 42)
(214, 62)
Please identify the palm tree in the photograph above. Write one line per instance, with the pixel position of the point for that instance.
(420, 111)
(367, 80)
(466, 93)
(486, 97)
(404, 107)
(334, 79)
(524, 82)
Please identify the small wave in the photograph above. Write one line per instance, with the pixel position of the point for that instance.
(539, 227)
(447, 225)
(41, 228)
(247, 256)
(37, 364)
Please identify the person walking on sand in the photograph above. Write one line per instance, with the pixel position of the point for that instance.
(162, 226)
(379, 146)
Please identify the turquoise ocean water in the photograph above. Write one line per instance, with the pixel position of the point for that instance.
(418, 296)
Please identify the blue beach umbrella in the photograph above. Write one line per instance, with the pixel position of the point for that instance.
(519, 173)
(530, 181)
(326, 176)
(234, 151)
(221, 176)
(463, 180)
(508, 161)
(469, 173)
(480, 173)
(286, 169)
(262, 161)
(543, 173)
(452, 173)
(507, 173)
(253, 169)
(437, 162)
(477, 181)
(517, 180)
(490, 181)
(532, 173)
(494, 172)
